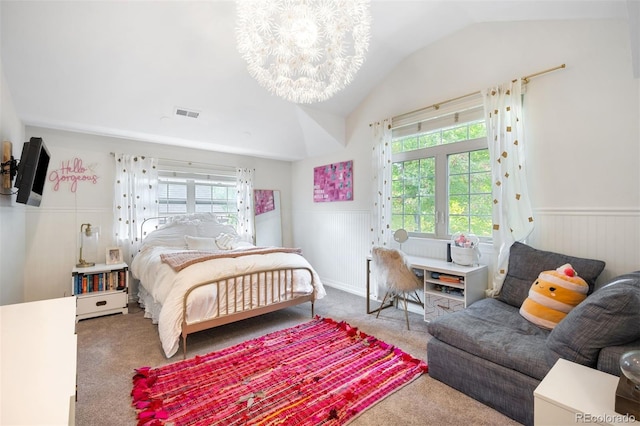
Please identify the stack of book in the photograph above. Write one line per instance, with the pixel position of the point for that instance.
(101, 281)
(447, 278)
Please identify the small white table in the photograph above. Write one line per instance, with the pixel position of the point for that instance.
(38, 348)
(574, 394)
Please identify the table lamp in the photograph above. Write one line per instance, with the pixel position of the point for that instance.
(85, 231)
(628, 391)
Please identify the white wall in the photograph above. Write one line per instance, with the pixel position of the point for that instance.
(583, 151)
(583, 142)
(53, 228)
(12, 230)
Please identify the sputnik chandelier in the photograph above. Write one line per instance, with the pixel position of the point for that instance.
(303, 50)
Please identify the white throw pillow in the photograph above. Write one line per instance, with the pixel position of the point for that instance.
(225, 241)
(200, 243)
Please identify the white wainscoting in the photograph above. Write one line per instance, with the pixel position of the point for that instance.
(337, 243)
(52, 249)
(611, 235)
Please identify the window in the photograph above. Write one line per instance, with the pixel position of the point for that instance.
(182, 193)
(441, 176)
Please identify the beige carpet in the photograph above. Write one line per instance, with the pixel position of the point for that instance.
(111, 347)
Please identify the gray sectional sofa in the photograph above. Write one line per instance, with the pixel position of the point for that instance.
(493, 354)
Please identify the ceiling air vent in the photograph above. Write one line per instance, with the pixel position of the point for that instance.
(183, 112)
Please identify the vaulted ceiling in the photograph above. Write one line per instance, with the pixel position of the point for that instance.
(121, 68)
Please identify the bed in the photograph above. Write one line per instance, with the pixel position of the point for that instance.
(195, 273)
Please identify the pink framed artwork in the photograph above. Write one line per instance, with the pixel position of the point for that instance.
(263, 201)
(333, 182)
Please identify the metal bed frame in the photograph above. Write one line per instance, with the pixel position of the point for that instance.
(276, 282)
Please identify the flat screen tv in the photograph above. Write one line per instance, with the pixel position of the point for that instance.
(32, 172)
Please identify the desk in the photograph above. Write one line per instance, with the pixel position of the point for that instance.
(472, 285)
(38, 348)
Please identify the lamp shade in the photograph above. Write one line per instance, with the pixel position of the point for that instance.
(88, 243)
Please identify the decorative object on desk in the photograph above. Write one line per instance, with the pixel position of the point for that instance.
(88, 243)
(392, 269)
(266, 380)
(628, 390)
(303, 51)
(400, 236)
(114, 255)
(465, 249)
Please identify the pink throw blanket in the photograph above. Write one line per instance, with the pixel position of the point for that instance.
(179, 261)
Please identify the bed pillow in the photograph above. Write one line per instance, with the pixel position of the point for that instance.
(226, 241)
(169, 235)
(193, 218)
(525, 263)
(213, 230)
(203, 224)
(200, 243)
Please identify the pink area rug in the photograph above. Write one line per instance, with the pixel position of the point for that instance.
(320, 372)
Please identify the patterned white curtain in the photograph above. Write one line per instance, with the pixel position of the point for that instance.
(244, 186)
(136, 199)
(512, 213)
(381, 184)
(381, 193)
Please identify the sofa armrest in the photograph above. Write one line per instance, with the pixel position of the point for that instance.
(609, 357)
(609, 317)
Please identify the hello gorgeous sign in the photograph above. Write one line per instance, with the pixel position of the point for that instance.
(73, 172)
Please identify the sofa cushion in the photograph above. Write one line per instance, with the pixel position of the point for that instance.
(609, 317)
(525, 263)
(553, 295)
(495, 331)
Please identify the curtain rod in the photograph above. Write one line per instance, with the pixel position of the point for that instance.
(436, 106)
(189, 163)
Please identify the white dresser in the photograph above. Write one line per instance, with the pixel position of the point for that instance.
(38, 355)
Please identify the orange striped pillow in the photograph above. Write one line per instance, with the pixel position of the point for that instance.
(553, 295)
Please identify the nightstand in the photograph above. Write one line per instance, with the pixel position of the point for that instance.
(100, 290)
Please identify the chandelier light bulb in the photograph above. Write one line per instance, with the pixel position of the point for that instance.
(303, 50)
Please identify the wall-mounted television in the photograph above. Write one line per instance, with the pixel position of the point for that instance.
(32, 172)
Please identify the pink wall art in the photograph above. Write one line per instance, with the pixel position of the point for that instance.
(263, 200)
(333, 182)
(71, 172)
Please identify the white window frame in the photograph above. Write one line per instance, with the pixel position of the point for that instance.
(416, 123)
(441, 154)
(191, 176)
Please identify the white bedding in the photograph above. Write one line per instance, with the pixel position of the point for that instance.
(162, 289)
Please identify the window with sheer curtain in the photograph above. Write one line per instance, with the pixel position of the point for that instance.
(456, 168)
(226, 191)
